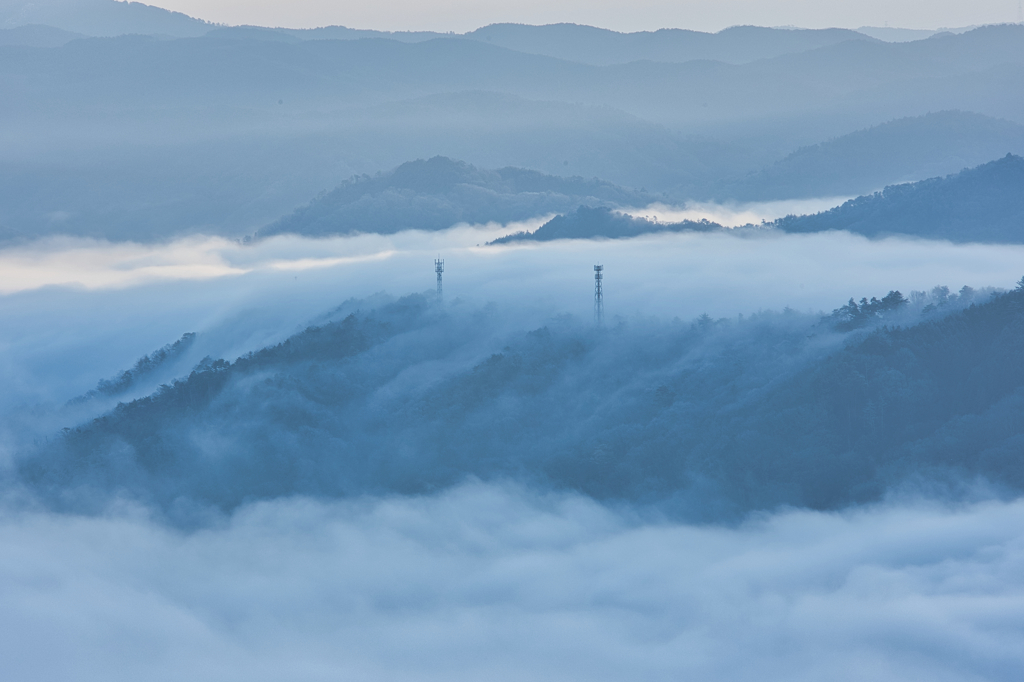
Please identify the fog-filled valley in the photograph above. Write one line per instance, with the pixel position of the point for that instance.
(543, 352)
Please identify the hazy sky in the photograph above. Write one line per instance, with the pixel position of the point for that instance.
(707, 15)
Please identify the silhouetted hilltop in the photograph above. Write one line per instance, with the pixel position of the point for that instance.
(587, 222)
(904, 150)
(984, 204)
(711, 419)
(437, 193)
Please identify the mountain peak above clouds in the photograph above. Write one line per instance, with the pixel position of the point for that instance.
(437, 193)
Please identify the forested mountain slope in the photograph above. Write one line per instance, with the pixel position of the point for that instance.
(983, 204)
(707, 420)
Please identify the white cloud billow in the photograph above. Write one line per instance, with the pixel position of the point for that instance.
(498, 582)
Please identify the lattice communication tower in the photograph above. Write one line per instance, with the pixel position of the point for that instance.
(439, 268)
(598, 294)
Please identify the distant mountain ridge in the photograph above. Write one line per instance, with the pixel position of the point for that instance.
(573, 42)
(602, 47)
(984, 204)
(436, 193)
(138, 137)
(853, 81)
(899, 151)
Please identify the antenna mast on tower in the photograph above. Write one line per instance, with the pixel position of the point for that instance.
(598, 294)
(439, 268)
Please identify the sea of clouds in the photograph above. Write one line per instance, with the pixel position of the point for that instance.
(486, 581)
(500, 583)
(78, 310)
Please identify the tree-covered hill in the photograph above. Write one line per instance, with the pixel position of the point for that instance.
(707, 420)
(437, 193)
(982, 204)
(587, 222)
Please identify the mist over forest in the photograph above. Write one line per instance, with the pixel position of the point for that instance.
(407, 398)
(307, 373)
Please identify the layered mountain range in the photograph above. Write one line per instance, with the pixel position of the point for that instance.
(185, 127)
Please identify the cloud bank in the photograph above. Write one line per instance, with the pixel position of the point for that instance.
(735, 214)
(497, 582)
(78, 311)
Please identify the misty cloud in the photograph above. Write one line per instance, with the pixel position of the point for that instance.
(735, 214)
(838, 263)
(500, 582)
(105, 305)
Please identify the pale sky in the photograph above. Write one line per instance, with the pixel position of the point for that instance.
(705, 15)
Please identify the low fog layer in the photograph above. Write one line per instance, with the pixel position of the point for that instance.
(734, 214)
(502, 583)
(77, 312)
